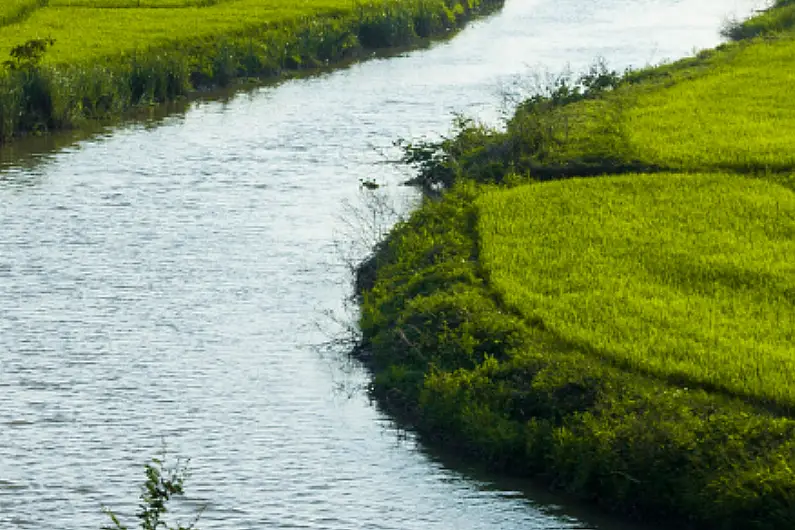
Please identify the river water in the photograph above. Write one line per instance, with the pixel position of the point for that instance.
(163, 282)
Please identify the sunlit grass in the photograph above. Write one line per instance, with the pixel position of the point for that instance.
(133, 4)
(86, 31)
(14, 10)
(727, 110)
(686, 277)
(110, 55)
(629, 338)
(84, 35)
(779, 18)
(738, 115)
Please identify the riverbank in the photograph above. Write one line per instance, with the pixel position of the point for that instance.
(626, 338)
(96, 59)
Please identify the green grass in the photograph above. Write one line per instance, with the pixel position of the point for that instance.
(133, 4)
(478, 378)
(728, 109)
(92, 30)
(91, 34)
(688, 277)
(735, 116)
(779, 18)
(111, 55)
(628, 339)
(15, 10)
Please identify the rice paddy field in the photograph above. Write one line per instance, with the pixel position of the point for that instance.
(687, 277)
(729, 110)
(15, 10)
(91, 30)
(628, 337)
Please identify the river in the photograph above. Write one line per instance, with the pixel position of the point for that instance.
(163, 281)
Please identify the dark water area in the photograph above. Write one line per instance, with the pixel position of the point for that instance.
(167, 279)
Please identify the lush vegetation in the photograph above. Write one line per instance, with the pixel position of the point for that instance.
(452, 360)
(687, 277)
(15, 10)
(627, 338)
(727, 109)
(88, 31)
(110, 55)
(779, 18)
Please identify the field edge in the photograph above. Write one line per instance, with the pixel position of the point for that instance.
(37, 98)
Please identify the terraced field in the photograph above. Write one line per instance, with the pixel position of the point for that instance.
(16, 10)
(69, 61)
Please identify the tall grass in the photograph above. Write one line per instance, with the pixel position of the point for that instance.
(133, 4)
(626, 338)
(780, 17)
(728, 109)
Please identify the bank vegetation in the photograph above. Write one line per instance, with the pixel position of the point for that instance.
(96, 59)
(601, 294)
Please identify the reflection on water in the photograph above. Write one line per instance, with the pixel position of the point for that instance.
(162, 280)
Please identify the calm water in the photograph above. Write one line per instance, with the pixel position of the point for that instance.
(164, 281)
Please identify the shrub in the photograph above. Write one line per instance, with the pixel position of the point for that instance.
(161, 486)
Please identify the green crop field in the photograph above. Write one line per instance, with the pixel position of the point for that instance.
(14, 10)
(126, 4)
(630, 336)
(728, 111)
(735, 116)
(87, 30)
(690, 277)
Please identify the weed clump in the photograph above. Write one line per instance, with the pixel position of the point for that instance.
(779, 18)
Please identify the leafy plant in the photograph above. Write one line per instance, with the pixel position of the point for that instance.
(161, 485)
(28, 56)
(473, 370)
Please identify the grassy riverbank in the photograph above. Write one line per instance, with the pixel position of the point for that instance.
(111, 55)
(626, 338)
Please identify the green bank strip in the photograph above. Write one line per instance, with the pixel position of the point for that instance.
(512, 391)
(625, 337)
(106, 59)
